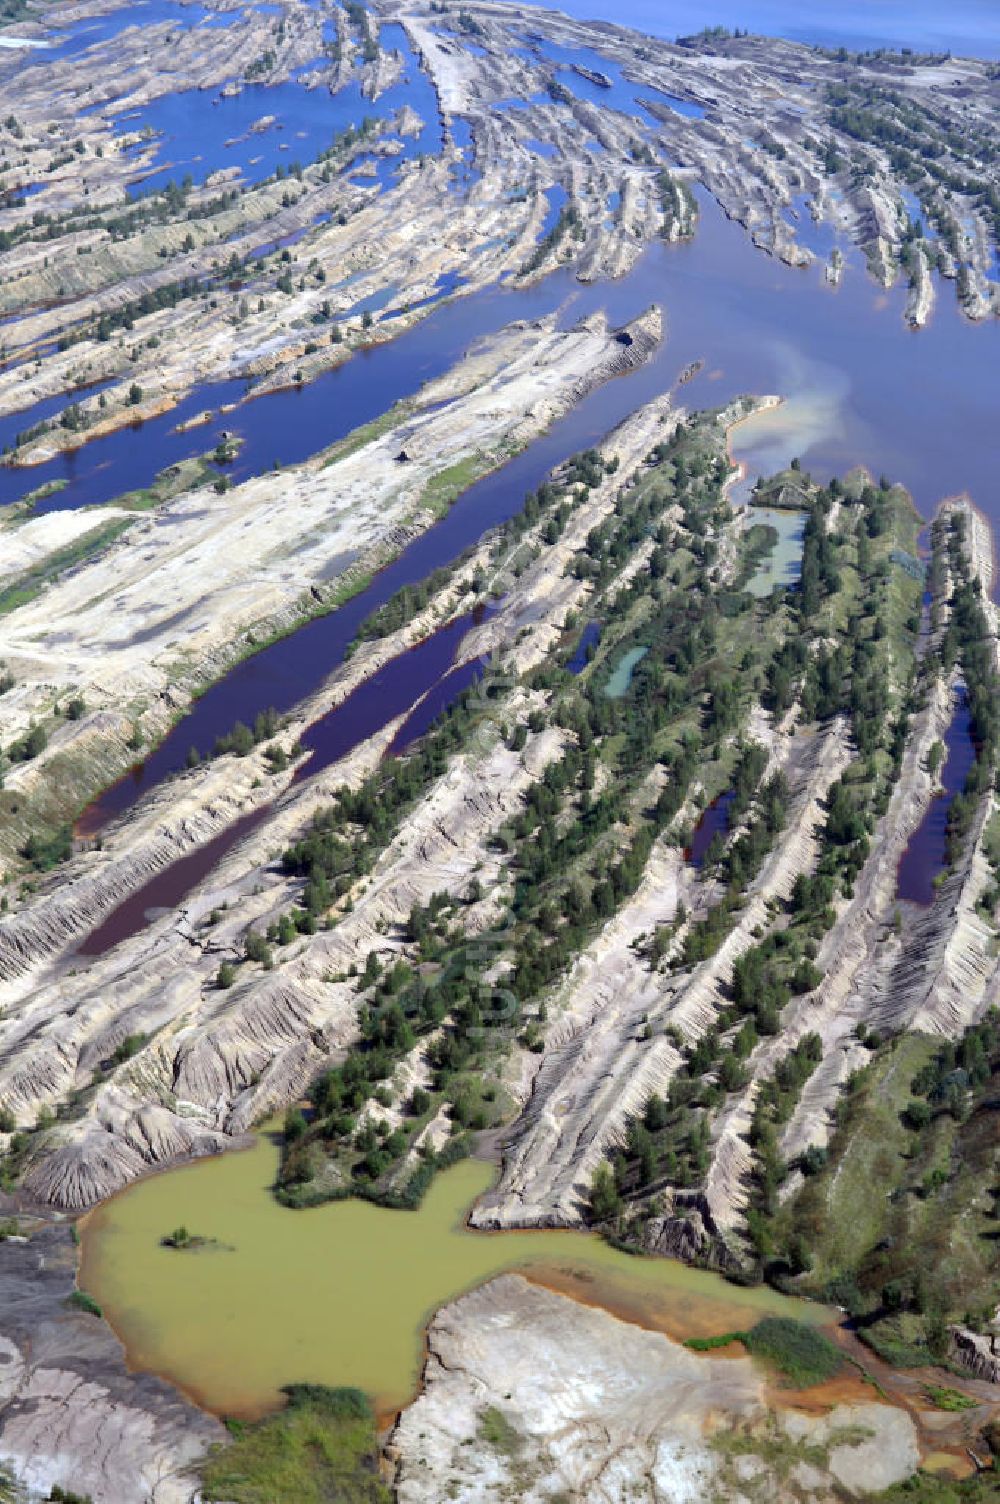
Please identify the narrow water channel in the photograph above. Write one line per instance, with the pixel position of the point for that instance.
(341, 1294)
(753, 320)
(714, 822)
(924, 858)
(421, 674)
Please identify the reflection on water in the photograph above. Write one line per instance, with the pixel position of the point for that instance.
(340, 1294)
(810, 413)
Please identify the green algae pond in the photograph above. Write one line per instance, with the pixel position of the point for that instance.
(782, 565)
(342, 1293)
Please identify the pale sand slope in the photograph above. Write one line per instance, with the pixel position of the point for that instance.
(187, 579)
(529, 1396)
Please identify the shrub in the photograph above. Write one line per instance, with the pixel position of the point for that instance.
(321, 1447)
(34, 741)
(709, 1344)
(256, 948)
(84, 1302)
(800, 1353)
(604, 1198)
(46, 851)
(917, 1114)
(130, 1045)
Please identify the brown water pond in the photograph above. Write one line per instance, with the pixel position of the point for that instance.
(342, 1293)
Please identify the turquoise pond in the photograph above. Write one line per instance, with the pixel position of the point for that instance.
(621, 678)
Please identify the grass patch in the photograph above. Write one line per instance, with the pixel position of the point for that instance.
(709, 1344)
(186, 475)
(931, 1488)
(902, 1222)
(777, 1457)
(366, 434)
(28, 585)
(836, 1211)
(84, 1302)
(948, 1399)
(801, 1354)
(497, 1432)
(22, 510)
(898, 1342)
(320, 1449)
(446, 485)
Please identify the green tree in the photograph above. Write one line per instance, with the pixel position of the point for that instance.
(605, 1202)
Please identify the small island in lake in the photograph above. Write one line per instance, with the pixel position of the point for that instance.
(192, 1242)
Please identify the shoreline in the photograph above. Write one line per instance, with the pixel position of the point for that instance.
(897, 1388)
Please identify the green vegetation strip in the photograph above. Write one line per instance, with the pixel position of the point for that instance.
(25, 587)
(321, 1449)
(800, 1353)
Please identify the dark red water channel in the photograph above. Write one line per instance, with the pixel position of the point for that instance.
(437, 700)
(714, 822)
(393, 689)
(920, 407)
(168, 888)
(924, 856)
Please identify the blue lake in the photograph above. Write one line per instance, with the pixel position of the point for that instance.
(97, 29)
(585, 648)
(619, 94)
(200, 131)
(969, 27)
